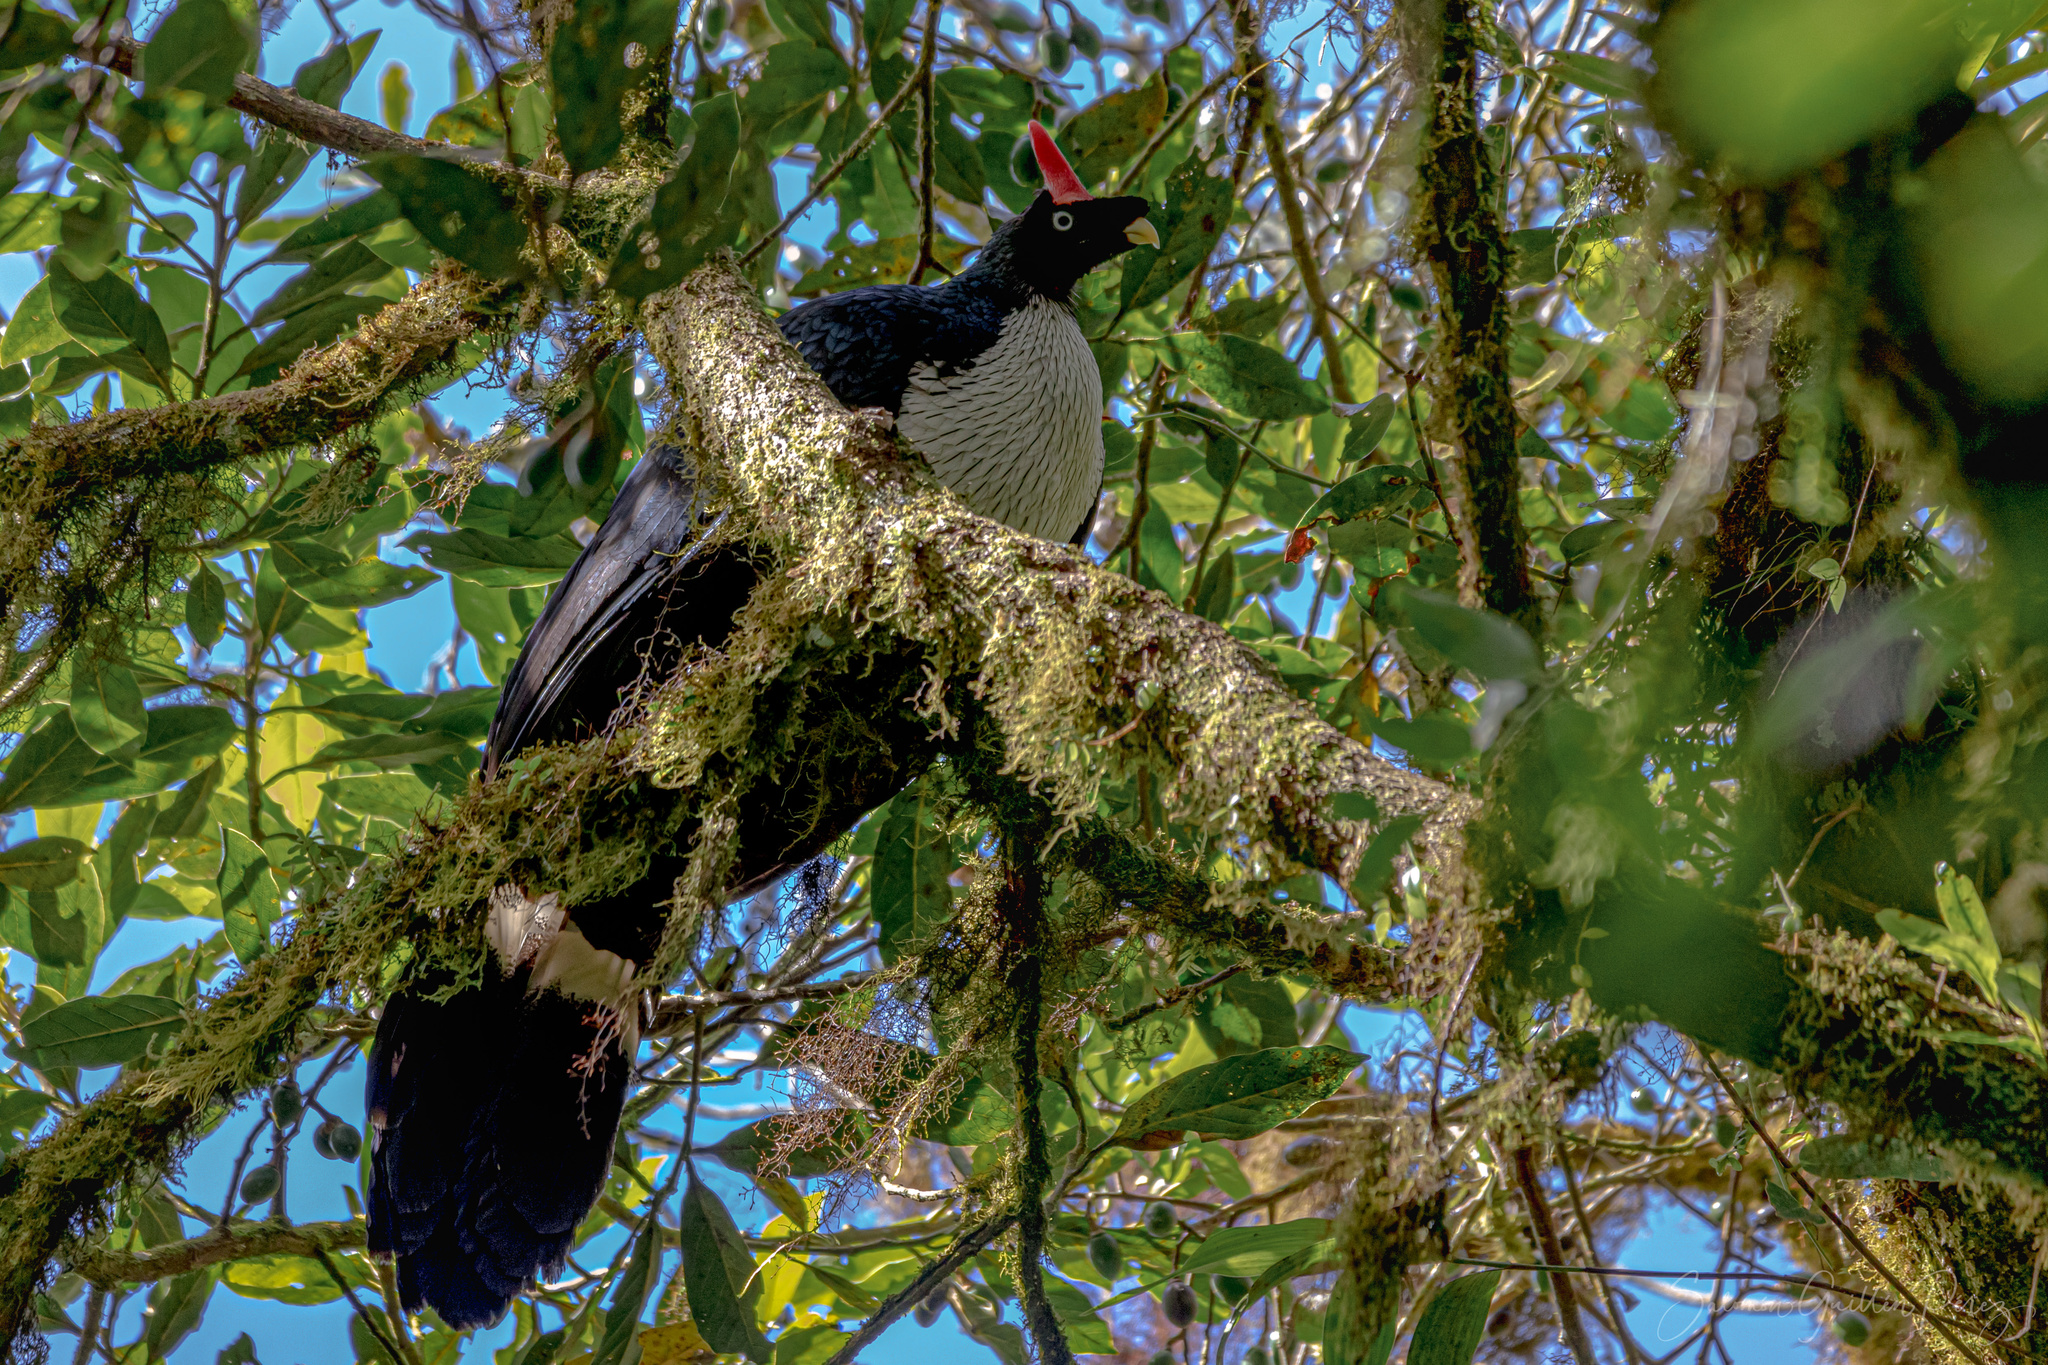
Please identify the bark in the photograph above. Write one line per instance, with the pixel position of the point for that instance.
(1458, 228)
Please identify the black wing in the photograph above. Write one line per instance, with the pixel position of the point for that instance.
(865, 342)
(645, 585)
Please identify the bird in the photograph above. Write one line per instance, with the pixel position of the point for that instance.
(494, 1107)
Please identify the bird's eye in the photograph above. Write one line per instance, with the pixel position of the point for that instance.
(1063, 220)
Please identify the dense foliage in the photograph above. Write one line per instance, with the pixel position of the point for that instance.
(1627, 420)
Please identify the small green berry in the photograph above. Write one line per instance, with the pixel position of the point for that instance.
(1161, 1220)
(1178, 1303)
(259, 1184)
(1642, 1101)
(1850, 1327)
(1231, 1288)
(287, 1104)
(1106, 1256)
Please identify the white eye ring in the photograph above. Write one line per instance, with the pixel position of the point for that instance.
(1063, 221)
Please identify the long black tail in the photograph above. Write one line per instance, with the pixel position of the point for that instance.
(492, 1115)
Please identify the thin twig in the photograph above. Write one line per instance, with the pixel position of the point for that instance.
(925, 160)
(1561, 1291)
(820, 182)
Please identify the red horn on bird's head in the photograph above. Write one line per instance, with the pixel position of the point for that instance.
(1066, 187)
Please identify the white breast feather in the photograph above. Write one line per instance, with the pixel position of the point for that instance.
(1019, 435)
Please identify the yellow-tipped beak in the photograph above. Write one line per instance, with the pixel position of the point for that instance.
(1142, 233)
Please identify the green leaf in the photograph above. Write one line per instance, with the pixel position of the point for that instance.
(100, 1030)
(106, 706)
(1112, 130)
(1788, 1206)
(33, 329)
(1377, 489)
(1377, 866)
(1955, 951)
(1315, 1259)
(105, 315)
(338, 224)
(978, 1114)
(1237, 1097)
(387, 751)
(810, 19)
(1368, 428)
(345, 266)
(812, 1344)
(1247, 1013)
(394, 796)
(324, 322)
(67, 926)
(716, 1268)
(331, 579)
(1455, 1320)
(1843, 1157)
(327, 77)
(249, 897)
(1244, 376)
(496, 561)
(881, 21)
(176, 1306)
(394, 97)
(914, 857)
(1585, 542)
(629, 1299)
(587, 65)
(32, 221)
(1602, 76)
(42, 864)
(1246, 317)
(1159, 555)
(286, 1278)
(1254, 1250)
(836, 1134)
(206, 605)
(795, 76)
(1190, 223)
(199, 46)
(688, 221)
(1490, 646)
(54, 767)
(458, 211)
(35, 37)
(1217, 600)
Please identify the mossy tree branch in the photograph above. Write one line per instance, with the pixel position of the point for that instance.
(1458, 228)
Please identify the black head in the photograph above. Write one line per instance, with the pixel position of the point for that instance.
(1051, 245)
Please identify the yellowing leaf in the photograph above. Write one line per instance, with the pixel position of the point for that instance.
(289, 739)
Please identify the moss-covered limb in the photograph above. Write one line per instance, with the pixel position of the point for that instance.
(238, 1243)
(92, 507)
(1059, 655)
(1458, 228)
(1855, 1032)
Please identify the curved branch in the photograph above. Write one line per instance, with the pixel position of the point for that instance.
(307, 120)
(102, 1267)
